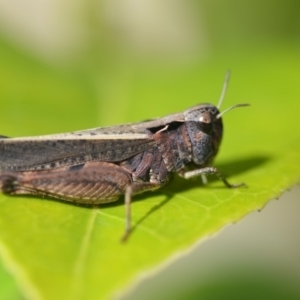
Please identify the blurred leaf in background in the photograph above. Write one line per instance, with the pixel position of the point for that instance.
(68, 65)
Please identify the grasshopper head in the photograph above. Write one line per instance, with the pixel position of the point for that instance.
(205, 129)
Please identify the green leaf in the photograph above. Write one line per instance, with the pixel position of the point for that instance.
(62, 251)
(9, 289)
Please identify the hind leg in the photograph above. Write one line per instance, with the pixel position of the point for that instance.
(135, 188)
(89, 183)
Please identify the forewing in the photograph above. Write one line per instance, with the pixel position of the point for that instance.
(53, 151)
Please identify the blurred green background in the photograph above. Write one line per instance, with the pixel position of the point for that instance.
(69, 65)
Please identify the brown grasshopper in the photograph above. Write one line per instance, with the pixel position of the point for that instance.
(99, 165)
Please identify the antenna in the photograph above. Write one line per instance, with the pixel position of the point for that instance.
(230, 108)
(224, 89)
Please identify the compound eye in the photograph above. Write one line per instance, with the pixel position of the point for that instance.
(205, 125)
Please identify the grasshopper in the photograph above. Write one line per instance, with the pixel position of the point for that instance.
(99, 165)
